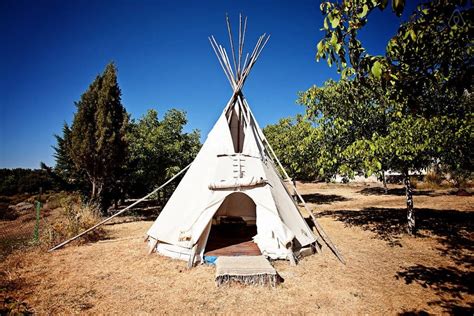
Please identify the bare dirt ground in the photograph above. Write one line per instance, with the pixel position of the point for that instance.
(387, 272)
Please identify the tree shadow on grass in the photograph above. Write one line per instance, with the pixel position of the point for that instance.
(450, 284)
(453, 229)
(317, 198)
(397, 191)
(9, 293)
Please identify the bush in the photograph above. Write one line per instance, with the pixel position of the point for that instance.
(75, 217)
(56, 200)
(434, 178)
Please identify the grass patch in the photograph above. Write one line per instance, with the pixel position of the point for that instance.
(74, 217)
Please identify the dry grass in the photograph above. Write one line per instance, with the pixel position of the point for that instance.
(73, 218)
(387, 272)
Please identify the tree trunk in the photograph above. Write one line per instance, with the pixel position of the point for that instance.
(94, 189)
(384, 181)
(410, 211)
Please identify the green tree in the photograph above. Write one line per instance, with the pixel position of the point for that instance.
(345, 112)
(426, 71)
(158, 149)
(18, 181)
(294, 142)
(64, 167)
(65, 172)
(98, 136)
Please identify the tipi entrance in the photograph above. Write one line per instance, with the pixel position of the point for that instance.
(233, 227)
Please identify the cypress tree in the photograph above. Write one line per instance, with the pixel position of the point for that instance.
(64, 165)
(98, 142)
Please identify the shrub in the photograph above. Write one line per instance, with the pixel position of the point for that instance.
(56, 200)
(74, 218)
(433, 177)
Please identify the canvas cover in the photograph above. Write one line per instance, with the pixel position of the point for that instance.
(233, 153)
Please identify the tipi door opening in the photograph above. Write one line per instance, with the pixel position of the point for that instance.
(233, 227)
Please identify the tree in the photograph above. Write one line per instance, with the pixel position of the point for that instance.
(65, 172)
(294, 142)
(64, 164)
(345, 112)
(98, 142)
(158, 149)
(426, 71)
(20, 181)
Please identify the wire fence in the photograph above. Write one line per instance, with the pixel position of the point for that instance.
(20, 226)
(30, 223)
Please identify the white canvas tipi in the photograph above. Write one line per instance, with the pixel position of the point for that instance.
(234, 174)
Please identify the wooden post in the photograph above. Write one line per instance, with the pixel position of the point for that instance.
(152, 246)
(38, 213)
(191, 257)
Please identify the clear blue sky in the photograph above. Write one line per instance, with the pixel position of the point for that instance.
(52, 50)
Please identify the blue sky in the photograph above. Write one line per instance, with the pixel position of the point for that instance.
(52, 50)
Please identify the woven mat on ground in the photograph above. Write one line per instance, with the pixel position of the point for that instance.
(249, 270)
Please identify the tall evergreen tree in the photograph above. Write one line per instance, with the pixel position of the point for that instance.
(98, 142)
(64, 164)
(65, 172)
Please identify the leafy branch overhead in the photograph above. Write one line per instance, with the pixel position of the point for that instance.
(433, 43)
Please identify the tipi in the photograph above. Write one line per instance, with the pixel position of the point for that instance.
(233, 175)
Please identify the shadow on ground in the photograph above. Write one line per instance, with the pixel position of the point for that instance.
(454, 230)
(450, 284)
(317, 198)
(418, 192)
(397, 191)
(10, 305)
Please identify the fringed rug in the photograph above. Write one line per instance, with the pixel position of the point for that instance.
(248, 270)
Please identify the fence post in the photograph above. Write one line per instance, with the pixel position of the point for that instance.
(38, 211)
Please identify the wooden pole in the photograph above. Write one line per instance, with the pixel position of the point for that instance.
(318, 227)
(243, 40)
(239, 49)
(218, 58)
(231, 43)
(118, 213)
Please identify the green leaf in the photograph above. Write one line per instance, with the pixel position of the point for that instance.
(335, 22)
(397, 6)
(379, 165)
(333, 38)
(365, 9)
(320, 46)
(377, 69)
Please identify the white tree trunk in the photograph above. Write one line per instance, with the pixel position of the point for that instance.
(410, 211)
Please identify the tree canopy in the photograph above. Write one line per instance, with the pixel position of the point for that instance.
(407, 109)
(158, 149)
(294, 142)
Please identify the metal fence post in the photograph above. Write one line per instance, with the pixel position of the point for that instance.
(38, 211)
